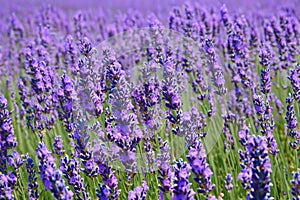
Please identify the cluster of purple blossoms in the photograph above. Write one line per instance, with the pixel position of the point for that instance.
(171, 97)
(294, 77)
(61, 83)
(164, 168)
(228, 182)
(7, 142)
(265, 61)
(266, 122)
(58, 146)
(146, 96)
(50, 176)
(70, 169)
(200, 168)
(181, 186)
(32, 180)
(296, 185)
(82, 147)
(256, 168)
(65, 98)
(101, 156)
(291, 122)
(7, 138)
(140, 192)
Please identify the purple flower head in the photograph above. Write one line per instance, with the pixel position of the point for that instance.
(66, 101)
(228, 182)
(32, 180)
(85, 46)
(291, 122)
(57, 146)
(59, 190)
(139, 193)
(70, 169)
(243, 135)
(265, 81)
(181, 187)
(294, 77)
(164, 168)
(296, 185)
(103, 192)
(82, 146)
(7, 138)
(5, 188)
(200, 168)
(256, 166)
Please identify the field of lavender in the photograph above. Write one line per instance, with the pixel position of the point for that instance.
(183, 102)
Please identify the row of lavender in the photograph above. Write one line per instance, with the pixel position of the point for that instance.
(103, 120)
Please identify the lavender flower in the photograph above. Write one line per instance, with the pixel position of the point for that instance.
(265, 73)
(258, 167)
(70, 169)
(101, 155)
(291, 122)
(65, 97)
(102, 192)
(296, 185)
(171, 97)
(228, 182)
(32, 179)
(7, 138)
(50, 176)
(200, 167)
(181, 187)
(139, 193)
(5, 187)
(85, 46)
(57, 146)
(294, 77)
(164, 168)
(59, 190)
(82, 146)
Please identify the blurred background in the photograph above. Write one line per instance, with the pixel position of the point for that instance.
(148, 6)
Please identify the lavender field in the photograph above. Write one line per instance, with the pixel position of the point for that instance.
(150, 100)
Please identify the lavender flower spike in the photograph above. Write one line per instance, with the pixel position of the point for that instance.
(139, 193)
(181, 188)
(228, 182)
(296, 185)
(32, 179)
(259, 168)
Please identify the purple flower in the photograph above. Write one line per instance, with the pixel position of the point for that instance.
(256, 168)
(200, 168)
(164, 168)
(50, 176)
(32, 180)
(181, 188)
(70, 169)
(139, 193)
(7, 138)
(5, 188)
(65, 96)
(82, 146)
(59, 190)
(228, 182)
(57, 146)
(103, 192)
(291, 122)
(243, 135)
(85, 46)
(46, 165)
(294, 77)
(296, 185)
